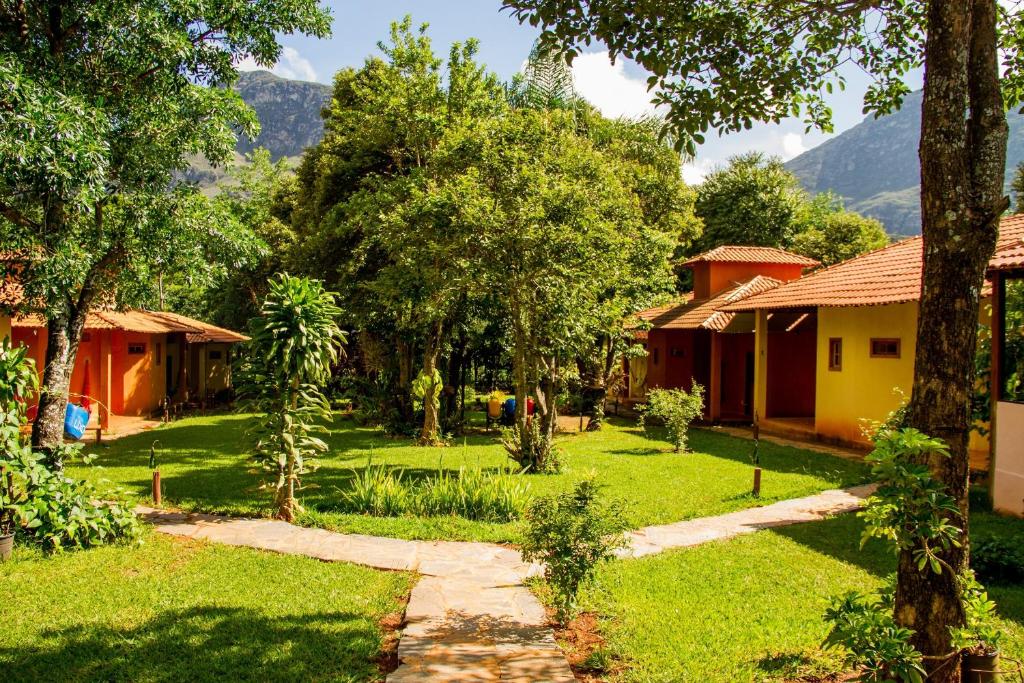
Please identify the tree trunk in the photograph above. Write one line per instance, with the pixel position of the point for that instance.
(519, 361)
(63, 334)
(432, 389)
(403, 396)
(962, 169)
(547, 394)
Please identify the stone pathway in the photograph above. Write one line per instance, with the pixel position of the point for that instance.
(470, 617)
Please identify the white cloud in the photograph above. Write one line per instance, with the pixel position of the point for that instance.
(608, 87)
(792, 146)
(291, 65)
(695, 170)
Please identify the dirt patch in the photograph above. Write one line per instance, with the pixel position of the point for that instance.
(391, 624)
(584, 648)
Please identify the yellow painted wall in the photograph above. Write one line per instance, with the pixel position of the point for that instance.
(863, 389)
(218, 370)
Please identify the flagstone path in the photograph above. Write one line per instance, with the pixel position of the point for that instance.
(470, 617)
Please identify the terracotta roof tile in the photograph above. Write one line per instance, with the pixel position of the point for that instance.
(739, 254)
(886, 276)
(705, 314)
(207, 332)
(145, 322)
(1010, 249)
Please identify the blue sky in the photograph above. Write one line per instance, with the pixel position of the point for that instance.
(504, 44)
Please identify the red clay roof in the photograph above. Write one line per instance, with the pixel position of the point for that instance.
(886, 276)
(145, 322)
(705, 314)
(206, 331)
(738, 254)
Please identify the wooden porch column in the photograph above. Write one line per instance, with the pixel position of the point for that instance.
(760, 364)
(715, 390)
(106, 379)
(201, 350)
(995, 389)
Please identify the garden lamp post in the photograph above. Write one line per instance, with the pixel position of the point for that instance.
(156, 473)
(756, 457)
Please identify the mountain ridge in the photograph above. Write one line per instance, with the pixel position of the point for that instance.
(874, 165)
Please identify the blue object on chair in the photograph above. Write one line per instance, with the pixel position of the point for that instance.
(75, 419)
(510, 408)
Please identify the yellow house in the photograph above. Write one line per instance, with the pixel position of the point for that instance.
(863, 313)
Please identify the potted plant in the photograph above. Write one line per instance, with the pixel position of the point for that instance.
(979, 638)
(8, 516)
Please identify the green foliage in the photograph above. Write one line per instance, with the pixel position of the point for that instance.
(49, 507)
(718, 65)
(572, 533)
(980, 633)
(754, 200)
(1013, 351)
(378, 491)
(294, 344)
(830, 234)
(910, 509)
(676, 409)
(872, 641)
(997, 559)
(546, 82)
(473, 493)
(530, 448)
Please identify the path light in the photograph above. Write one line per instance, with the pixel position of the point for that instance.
(756, 457)
(156, 473)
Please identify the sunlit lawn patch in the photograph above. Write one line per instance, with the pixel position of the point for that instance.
(174, 610)
(751, 608)
(204, 467)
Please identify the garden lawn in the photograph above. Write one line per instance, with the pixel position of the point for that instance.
(750, 608)
(175, 610)
(204, 466)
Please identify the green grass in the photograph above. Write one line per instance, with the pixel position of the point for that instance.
(175, 610)
(204, 466)
(750, 608)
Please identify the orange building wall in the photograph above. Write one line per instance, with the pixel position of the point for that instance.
(139, 382)
(711, 278)
(734, 399)
(792, 371)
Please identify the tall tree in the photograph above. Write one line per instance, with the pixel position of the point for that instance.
(102, 102)
(403, 270)
(723, 64)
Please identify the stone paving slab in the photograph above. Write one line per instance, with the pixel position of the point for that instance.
(470, 617)
(656, 539)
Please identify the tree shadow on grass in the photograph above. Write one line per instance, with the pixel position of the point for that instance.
(203, 644)
(839, 538)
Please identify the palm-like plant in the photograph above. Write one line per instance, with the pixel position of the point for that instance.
(295, 341)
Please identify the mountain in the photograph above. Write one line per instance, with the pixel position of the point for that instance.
(289, 116)
(874, 166)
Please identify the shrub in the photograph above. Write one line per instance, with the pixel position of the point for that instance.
(531, 449)
(872, 640)
(997, 560)
(572, 533)
(979, 632)
(46, 506)
(676, 408)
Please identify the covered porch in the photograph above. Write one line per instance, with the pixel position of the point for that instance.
(785, 370)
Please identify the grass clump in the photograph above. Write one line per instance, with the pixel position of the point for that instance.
(473, 493)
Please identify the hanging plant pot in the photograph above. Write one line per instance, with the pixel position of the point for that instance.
(6, 546)
(981, 667)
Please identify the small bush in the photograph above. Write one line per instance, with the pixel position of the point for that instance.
(531, 450)
(572, 533)
(997, 560)
(864, 627)
(676, 408)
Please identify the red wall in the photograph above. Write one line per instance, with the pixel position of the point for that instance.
(735, 348)
(792, 371)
